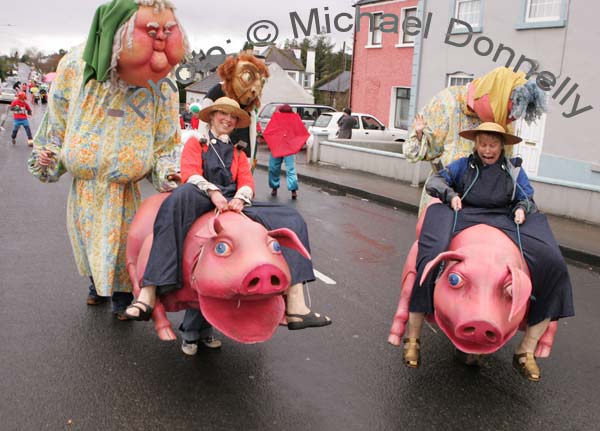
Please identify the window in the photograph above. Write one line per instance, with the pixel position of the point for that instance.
(293, 75)
(406, 39)
(309, 114)
(370, 123)
(354, 124)
(542, 10)
(375, 34)
(402, 103)
(323, 120)
(307, 80)
(267, 112)
(468, 11)
(542, 14)
(459, 79)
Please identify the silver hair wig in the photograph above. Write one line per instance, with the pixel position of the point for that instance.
(127, 30)
(529, 102)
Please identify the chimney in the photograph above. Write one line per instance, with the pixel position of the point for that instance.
(297, 53)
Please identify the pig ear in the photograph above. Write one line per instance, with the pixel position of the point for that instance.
(217, 226)
(289, 239)
(447, 255)
(521, 291)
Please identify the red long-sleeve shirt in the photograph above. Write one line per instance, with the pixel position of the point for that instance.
(191, 164)
(21, 112)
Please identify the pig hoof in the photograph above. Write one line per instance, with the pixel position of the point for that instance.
(394, 340)
(525, 364)
(412, 352)
(166, 334)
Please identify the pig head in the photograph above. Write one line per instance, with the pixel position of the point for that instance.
(482, 295)
(233, 270)
(239, 274)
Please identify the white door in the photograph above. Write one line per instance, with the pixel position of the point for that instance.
(530, 149)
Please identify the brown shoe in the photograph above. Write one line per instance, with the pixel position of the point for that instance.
(412, 352)
(294, 195)
(274, 192)
(525, 364)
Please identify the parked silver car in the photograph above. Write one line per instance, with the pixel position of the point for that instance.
(7, 95)
(366, 128)
(309, 113)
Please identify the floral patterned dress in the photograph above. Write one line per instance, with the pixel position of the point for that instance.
(445, 115)
(107, 148)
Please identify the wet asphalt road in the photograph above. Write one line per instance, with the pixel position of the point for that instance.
(67, 366)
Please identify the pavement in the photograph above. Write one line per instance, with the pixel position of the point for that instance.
(578, 240)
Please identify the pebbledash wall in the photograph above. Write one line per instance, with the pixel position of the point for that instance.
(562, 154)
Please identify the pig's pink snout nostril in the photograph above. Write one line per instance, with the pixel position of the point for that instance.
(480, 332)
(253, 283)
(469, 330)
(490, 335)
(275, 281)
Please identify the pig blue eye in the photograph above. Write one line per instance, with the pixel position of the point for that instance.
(222, 249)
(275, 247)
(454, 279)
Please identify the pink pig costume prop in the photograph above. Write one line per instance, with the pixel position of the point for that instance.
(488, 286)
(481, 312)
(233, 270)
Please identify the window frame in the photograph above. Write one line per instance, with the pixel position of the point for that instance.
(366, 118)
(458, 75)
(306, 80)
(401, 43)
(395, 99)
(370, 43)
(454, 14)
(527, 24)
(528, 11)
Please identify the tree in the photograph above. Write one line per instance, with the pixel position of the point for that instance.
(50, 62)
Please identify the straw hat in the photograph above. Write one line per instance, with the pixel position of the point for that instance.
(229, 106)
(491, 128)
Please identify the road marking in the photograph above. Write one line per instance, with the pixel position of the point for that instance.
(431, 327)
(324, 278)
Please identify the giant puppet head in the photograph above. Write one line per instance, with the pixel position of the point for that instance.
(503, 95)
(134, 40)
(243, 79)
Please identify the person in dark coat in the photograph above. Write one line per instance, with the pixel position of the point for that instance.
(488, 188)
(346, 123)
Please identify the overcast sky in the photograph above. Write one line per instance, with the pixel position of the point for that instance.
(50, 26)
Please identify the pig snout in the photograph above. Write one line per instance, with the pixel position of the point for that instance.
(264, 280)
(479, 332)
